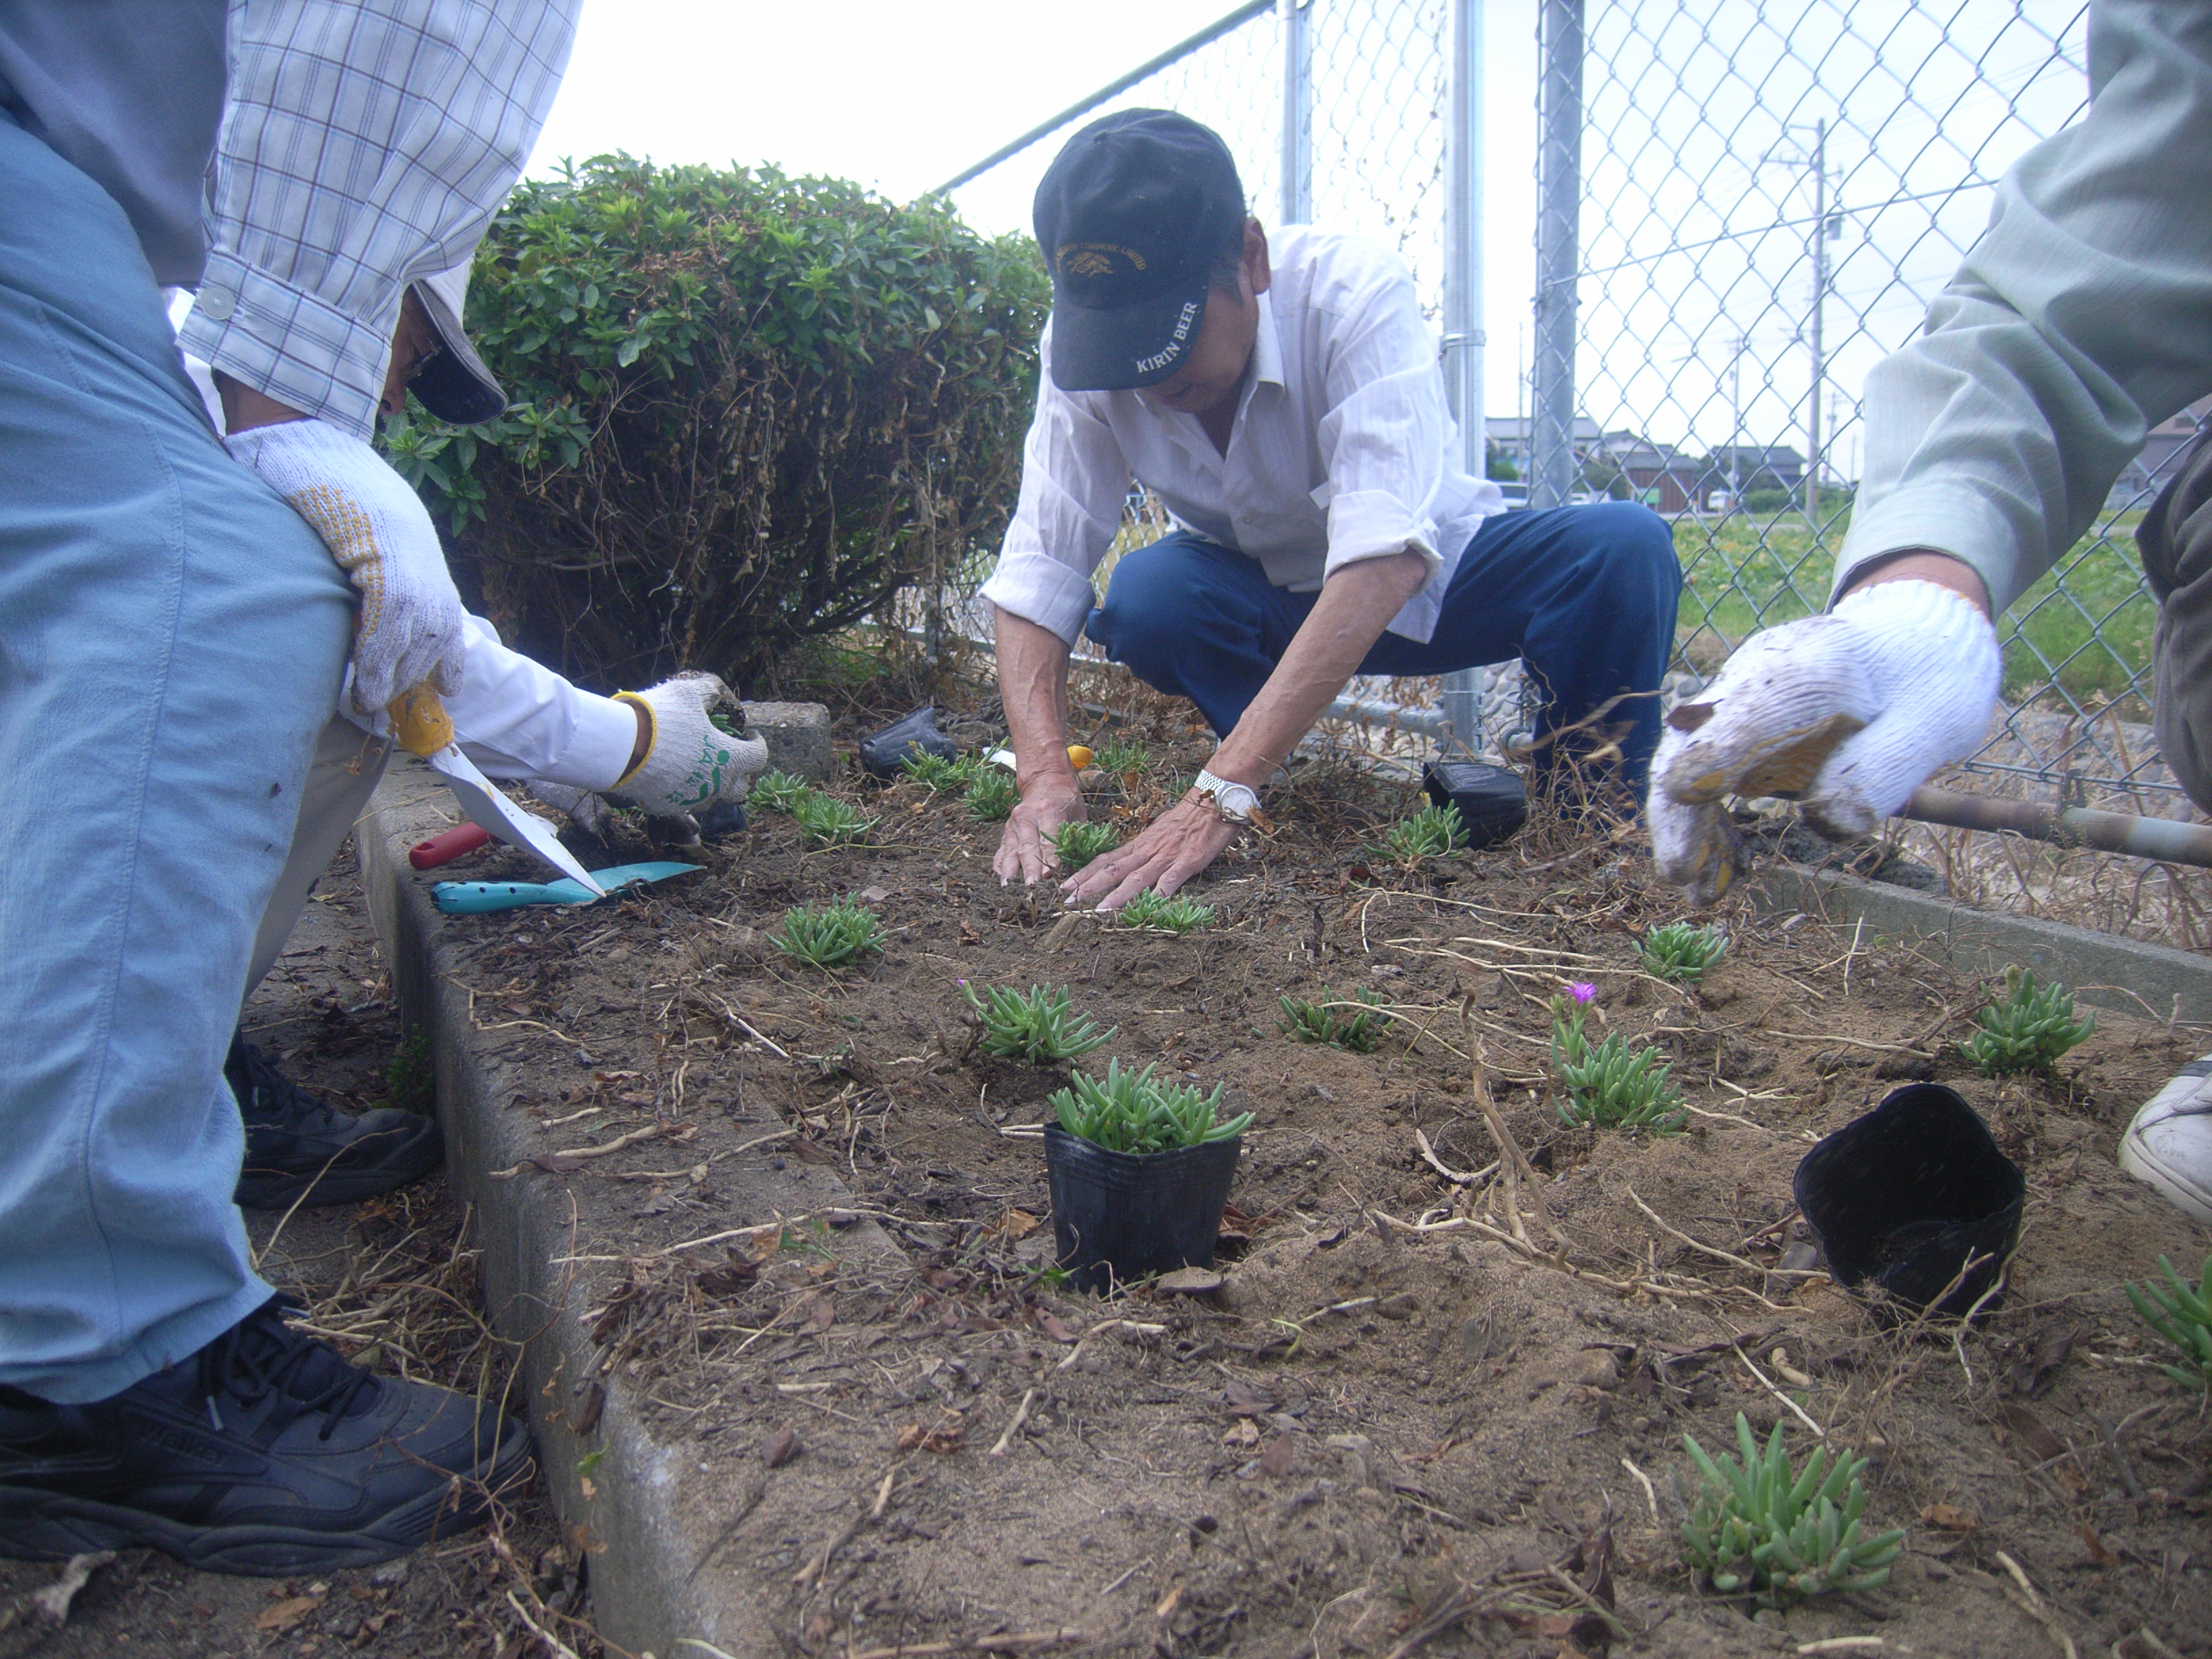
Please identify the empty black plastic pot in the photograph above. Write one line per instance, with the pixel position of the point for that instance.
(1118, 1217)
(886, 751)
(1492, 802)
(1903, 1197)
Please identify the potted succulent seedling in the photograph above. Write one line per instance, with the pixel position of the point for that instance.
(1139, 1168)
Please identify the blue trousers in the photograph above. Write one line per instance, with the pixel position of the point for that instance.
(171, 641)
(1584, 595)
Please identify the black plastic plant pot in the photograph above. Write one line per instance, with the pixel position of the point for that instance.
(1119, 1217)
(1902, 1199)
(1492, 803)
(886, 751)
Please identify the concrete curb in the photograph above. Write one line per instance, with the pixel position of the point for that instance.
(2125, 976)
(652, 1507)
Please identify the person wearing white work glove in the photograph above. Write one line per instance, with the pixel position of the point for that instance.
(407, 628)
(683, 762)
(1846, 714)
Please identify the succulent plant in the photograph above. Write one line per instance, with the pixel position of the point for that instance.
(1758, 1525)
(992, 794)
(1609, 1084)
(775, 791)
(1430, 833)
(825, 821)
(2027, 1029)
(2182, 1314)
(828, 937)
(1033, 1025)
(1129, 1112)
(1678, 950)
(939, 775)
(1168, 915)
(1355, 1023)
(1078, 843)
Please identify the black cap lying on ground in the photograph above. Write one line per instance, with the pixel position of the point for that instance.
(1131, 216)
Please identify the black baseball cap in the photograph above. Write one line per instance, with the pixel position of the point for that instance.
(1131, 216)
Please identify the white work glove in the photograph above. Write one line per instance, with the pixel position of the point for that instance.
(1846, 714)
(408, 629)
(689, 762)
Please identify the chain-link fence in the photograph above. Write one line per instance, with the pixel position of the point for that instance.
(1740, 209)
(1770, 198)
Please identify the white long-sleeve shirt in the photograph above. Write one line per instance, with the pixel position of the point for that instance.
(1342, 449)
(2082, 319)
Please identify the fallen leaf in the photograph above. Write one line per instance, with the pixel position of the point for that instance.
(285, 1614)
(1950, 1517)
(2051, 1347)
(1189, 1281)
(1243, 1432)
(2097, 1553)
(2035, 1436)
(730, 1278)
(944, 1438)
(1245, 1400)
(782, 1447)
(1056, 1328)
(821, 1316)
(1017, 1225)
(1275, 1462)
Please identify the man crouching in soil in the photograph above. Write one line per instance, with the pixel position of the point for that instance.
(1285, 402)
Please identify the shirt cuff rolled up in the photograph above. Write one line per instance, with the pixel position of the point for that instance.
(1373, 524)
(1039, 588)
(302, 351)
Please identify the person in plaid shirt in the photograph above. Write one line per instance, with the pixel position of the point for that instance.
(178, 614)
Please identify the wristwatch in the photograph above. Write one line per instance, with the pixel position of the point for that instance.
(1236, 801)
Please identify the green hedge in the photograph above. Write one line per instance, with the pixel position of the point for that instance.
(744, 408)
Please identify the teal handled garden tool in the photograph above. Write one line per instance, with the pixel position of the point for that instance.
(475, 898)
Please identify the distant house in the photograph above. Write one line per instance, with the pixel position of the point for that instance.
(1742, 468)
(2146, 475)
(1661, 476)
(1512, 435)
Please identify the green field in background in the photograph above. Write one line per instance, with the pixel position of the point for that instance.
(1741, 572)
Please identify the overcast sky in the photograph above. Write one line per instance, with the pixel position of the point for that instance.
(901, 97)
(1696, 227)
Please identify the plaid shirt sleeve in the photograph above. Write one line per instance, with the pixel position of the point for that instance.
(365, 143)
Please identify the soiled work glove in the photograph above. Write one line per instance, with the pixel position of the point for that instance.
(689, 762)
(407, 630)
(1846, 712)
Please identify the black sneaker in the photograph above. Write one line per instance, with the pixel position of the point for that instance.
(263, 1453)
(296, 1144)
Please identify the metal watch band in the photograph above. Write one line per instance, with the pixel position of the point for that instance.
(1236, 801)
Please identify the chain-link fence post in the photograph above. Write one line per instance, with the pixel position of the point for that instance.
(1462, 332)
(1558, 218)
(1298, 112)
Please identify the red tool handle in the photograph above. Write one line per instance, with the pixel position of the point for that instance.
(446, 846)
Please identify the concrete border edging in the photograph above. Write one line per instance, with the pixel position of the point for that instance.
(659, 1519)
(2103, 968)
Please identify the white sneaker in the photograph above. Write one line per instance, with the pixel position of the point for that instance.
(2170, 1143)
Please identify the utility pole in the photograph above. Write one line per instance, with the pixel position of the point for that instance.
(1819, 296)
(1296, 204)
(1819, 248)
(1463, 339)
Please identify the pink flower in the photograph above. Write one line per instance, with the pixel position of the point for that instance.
(1582, 991)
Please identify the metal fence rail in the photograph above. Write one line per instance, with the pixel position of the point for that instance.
(1742, 208)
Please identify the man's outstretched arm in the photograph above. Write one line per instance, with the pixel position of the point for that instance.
(1356, 605)
(1033, 690)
